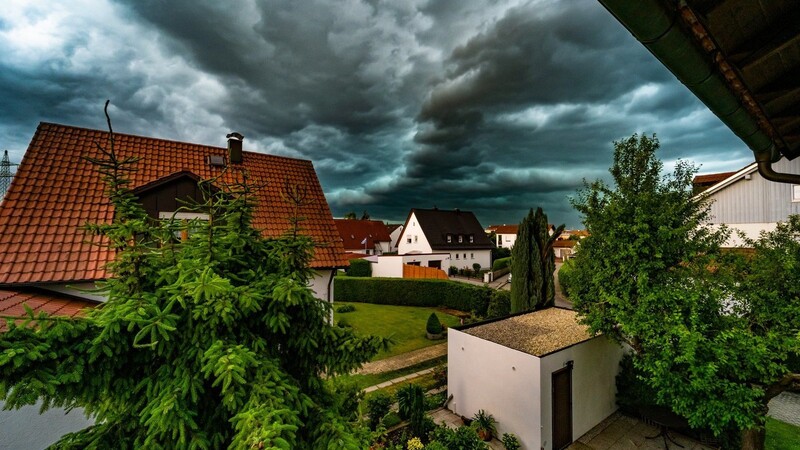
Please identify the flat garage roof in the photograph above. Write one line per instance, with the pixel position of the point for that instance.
(537, 333)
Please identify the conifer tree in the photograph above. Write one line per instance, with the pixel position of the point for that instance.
(533, 264)
(212, 342)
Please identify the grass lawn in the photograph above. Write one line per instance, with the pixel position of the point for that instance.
(404, 324)
(782, 436)
(365, 381)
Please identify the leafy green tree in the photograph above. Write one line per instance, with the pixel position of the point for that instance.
(212, 342)
(712, 347)
(351, 215)
(534, 264)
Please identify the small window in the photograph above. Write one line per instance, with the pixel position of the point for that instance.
(456, 255)
(465, 256)
(449, 238)
(472, 256)
(415, 238)
(460, 238)
(408, 240)
(471, 239)
(796, 192)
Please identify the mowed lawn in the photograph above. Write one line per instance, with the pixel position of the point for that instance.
(404, 324)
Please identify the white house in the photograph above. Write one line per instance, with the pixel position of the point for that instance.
(366, 236)
(455, 233)
(506, 235)
(540, 374)
(746, 202)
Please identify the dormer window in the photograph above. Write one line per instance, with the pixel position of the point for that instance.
(460, 239)
(471, 239)
(449, 238)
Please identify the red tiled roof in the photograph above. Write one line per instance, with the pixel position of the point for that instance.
(11, 304)
(354, 231)
(56, 191)
(506, 229)
(565, 243)
(350, 256)
(712, 178)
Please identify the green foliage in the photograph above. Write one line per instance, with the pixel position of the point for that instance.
(209, 343)
(413, 292)
(500, 264)
(359, 268)
(711, 332)
(632, 390)
(411, 407)
(499, 304)
(780, 436)
(476, 268)
(534, 263)
(510, 442)
(566, 276)
(462, 438)
(484, 421)
(345, 309)
(433, 326)
(377, 406)
(500, 252)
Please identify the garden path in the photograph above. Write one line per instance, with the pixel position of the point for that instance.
(786, 408)
(405, 360)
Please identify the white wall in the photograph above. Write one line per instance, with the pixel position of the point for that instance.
(596, 363)
(319, 284)
(506, 240)
(425, 260)
(419, 243)
(497, 379)
(750, 230)
(390, 266)
(395, 235)
(482, 257)
(26, 429)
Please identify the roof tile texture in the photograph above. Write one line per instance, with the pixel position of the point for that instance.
(11, 304)
(56, 191)
(353, 232)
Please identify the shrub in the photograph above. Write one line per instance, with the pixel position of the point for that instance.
(499, 304)
(359, 268)
(377, 406)
(440, 375)
(391, 419)
(566, 277)
(434, 401)
(435, 445)
(510, 442)
(413, 292)
(462, 438)
(453, 270)
(501, 263)
(343, 323)
(345, 309)
(434, 326)
(414, 444)
(411, 406)
(500, 252)
(484, 424)
(476, 267)
(346, 395)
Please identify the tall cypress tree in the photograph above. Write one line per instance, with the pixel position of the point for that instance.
(533, 264)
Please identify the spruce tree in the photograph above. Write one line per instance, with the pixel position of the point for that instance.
(212, 342)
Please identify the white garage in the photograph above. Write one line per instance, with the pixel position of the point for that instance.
(540, 374)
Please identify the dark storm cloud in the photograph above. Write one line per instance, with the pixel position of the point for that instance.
(491, 106)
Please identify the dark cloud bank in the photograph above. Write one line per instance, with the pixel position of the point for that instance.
(494, 107)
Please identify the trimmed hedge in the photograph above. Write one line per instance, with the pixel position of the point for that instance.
(413, 292)
(359, 268)
(501, 263)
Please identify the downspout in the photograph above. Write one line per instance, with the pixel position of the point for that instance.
(703, 70)
(329, 297)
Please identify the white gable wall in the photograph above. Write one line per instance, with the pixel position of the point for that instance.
(506, 240)
(413, 232)
(395, 235)
(497, 379)
(594, 371)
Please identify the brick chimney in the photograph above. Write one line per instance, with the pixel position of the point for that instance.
(235, 147)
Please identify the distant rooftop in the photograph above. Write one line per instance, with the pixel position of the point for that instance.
(538, 333)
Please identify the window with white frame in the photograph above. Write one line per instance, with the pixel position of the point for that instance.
(471, 239)
(460, 238)
(415, 238)
(456, 255)
(796, 192)
(408, 240)
(449, 238)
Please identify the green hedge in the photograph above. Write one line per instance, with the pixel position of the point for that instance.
(413, 292)
(359, 268)
(566, 277)
(499, 304)
(501, 263)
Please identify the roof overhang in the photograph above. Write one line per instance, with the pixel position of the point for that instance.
(741, 58)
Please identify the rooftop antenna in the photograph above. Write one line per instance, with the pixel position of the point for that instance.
(5, 174)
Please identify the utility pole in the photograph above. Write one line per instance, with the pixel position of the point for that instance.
(5, 174)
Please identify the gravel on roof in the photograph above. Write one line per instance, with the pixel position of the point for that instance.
(537, 333)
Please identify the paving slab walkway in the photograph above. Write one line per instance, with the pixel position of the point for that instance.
(405, 360)
(786, 408)
(621, 432)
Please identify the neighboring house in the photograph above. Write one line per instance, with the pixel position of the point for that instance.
(564, 248)
(56, 191)
(746, 202)
(541, 375)
(395, 230)
(578, 234)
(364, 236)
(506, 235)
(456, 236)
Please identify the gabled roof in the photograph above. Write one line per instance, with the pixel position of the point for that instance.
(56, 191)
(353, 232)
(729, 180)
(564, 243)
(506, 229)
(11, 304)
(437, 224)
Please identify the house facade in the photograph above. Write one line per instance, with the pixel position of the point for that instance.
(506, 235)
(455, 235)
(541, 375)
(748, 203)
(370, 237)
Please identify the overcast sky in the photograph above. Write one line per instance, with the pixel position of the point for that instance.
(492, 106)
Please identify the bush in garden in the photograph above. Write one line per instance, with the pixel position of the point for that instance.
(411, 406)
(414, 444)
(345, 309)
(359, 268)
(476, 267)
(440, 375)
(499, 304)
(434, 326)
(377, 406)
(501, 263)
(462, 438)
(566, 276)
(343, 323)
(453, 270)
(510, 442)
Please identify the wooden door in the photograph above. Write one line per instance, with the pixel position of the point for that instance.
(562, 407)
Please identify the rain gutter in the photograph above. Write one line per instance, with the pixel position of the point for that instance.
(674, 35)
